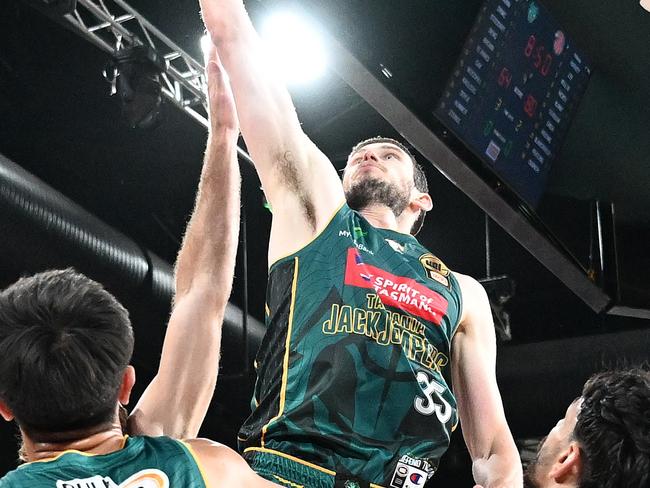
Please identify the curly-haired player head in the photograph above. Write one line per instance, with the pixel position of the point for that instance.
(604, 439)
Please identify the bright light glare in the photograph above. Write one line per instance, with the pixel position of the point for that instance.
(206, 44)
(295, 47)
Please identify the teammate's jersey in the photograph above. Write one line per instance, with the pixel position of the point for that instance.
(143, 462)
(354, 369)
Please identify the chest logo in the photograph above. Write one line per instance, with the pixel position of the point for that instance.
(435, 269)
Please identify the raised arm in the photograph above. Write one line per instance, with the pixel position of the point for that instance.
(176, 401)
(299, 181)
(495, 460)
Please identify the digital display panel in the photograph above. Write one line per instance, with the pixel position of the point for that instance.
(513, 92)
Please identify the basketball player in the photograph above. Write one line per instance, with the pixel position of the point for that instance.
(367, 329)
(603, 440)
(66, 343)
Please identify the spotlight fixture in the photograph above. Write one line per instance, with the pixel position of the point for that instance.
(135, 78)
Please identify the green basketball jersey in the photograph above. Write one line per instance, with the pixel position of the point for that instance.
(143, 462)
(354, 370)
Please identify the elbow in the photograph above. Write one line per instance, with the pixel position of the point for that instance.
(229, 28)
(499, 445)
(224, 37)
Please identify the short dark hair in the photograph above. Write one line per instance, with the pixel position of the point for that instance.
(613, 429)
(419, 177)
(64, 342)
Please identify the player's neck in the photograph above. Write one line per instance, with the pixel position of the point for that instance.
(382, 217)
(108, 439)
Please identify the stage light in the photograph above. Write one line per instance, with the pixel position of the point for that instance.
(135, 79)
(295, 48)
(646, 4)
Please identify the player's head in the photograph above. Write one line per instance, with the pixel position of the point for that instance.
(383, 171)
(65, 346)
(603, 441)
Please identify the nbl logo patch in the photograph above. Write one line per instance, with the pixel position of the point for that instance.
(435, 269)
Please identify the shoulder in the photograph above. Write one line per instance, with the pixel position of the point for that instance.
(470, 288)
(219, 462)
(9, 480)
(475, 300)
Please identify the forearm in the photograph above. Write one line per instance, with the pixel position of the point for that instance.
(500, 467)
(267, 116)
(207, 256)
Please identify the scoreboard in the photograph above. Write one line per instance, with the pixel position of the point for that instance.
(514, 91)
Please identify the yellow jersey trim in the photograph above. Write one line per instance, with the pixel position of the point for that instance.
(81, 453)
(287, 482)
(285, 362)
(199, 464)
(301, 248)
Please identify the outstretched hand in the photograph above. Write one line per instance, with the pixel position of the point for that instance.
(221, 103)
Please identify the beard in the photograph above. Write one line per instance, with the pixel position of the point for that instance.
(531, 467)
(372, 191)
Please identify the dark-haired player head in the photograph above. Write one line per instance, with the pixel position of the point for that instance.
(383, 171)
(604, 439)
(65, 344)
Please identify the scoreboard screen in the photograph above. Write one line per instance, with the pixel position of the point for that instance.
(513, 92)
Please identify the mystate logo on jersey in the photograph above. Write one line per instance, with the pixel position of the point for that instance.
(147, 478)
(395, 291)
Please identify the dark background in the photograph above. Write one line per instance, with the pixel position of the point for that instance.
(58, 122)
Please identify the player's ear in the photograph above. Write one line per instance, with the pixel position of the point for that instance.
(567, 467)
(6, 412)
(128, 380)
(421, 201)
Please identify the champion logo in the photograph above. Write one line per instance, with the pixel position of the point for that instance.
(416, 478)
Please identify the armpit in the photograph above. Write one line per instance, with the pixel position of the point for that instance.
(293, 181)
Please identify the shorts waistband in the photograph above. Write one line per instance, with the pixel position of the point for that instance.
(293, 472)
